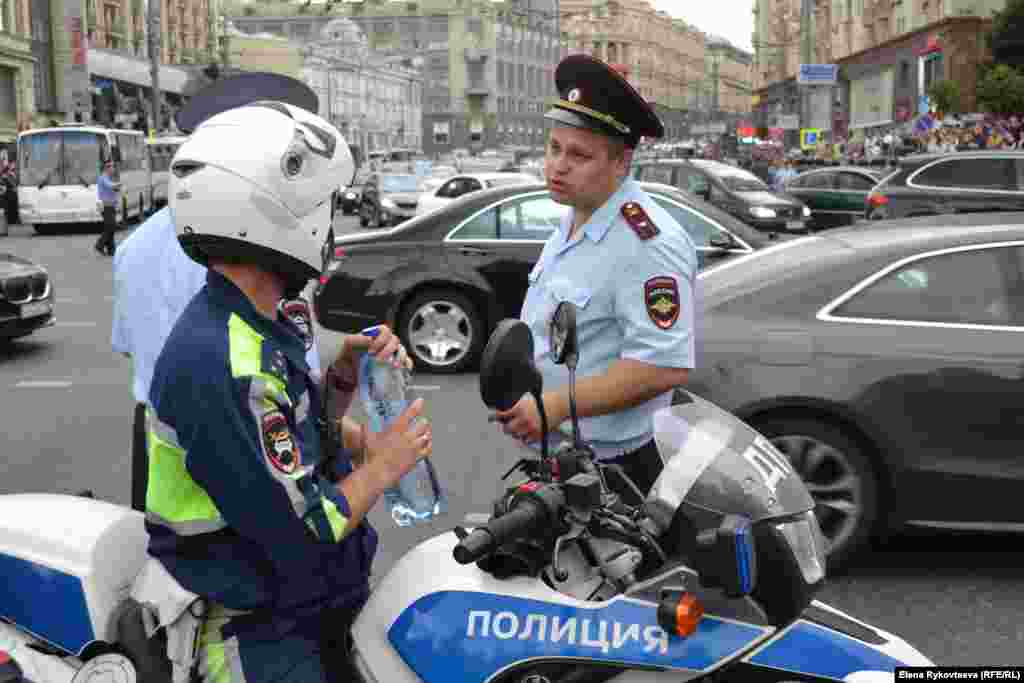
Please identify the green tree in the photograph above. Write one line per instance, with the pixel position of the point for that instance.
(1001, 90)
(1006, 39)
(945, 95)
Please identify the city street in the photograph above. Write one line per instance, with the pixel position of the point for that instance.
(67, 426)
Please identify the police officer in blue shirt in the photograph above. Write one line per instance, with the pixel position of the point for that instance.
(107, 192)
(625, 263)
(244, 506)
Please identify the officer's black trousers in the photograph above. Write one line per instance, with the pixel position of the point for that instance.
(140, 459)
(642, 466)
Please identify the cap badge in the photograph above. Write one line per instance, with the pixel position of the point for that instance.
(574, 95)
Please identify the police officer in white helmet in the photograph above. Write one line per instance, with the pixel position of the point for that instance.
(243, 506)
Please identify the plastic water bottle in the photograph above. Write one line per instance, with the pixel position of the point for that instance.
(418, 497)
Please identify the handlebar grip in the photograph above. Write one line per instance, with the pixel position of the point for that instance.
(517, 522)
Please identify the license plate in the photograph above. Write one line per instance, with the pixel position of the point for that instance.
(794, 225)
(35, 308)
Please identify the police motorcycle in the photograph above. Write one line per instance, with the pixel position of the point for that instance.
(575, 577)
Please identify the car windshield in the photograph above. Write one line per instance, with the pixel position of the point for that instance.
(60, 157)
(398, 183)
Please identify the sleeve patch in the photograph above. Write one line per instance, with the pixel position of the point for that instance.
(639, 221)
(278, 443)
(661, 297)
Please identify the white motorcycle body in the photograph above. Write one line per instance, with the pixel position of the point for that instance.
(67, 563)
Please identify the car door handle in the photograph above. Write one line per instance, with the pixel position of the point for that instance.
(473, 251)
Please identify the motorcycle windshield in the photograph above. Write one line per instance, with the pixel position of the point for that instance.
(715, 461)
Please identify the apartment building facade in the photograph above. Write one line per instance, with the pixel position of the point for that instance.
(486, 66)
(889, 53)
(730, 71)
(100, 64)
(17, 68)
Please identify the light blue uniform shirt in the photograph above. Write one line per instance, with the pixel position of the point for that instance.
(154, 280)
(106, 190)
(617, 281)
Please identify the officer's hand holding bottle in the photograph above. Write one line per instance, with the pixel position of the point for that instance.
(384, 346)
(394, 451)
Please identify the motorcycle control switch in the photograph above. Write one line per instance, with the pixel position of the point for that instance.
(583, 492)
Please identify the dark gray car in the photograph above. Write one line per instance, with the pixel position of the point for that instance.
(388, 199)
(955, 182)
(730, 188)
(886, 364)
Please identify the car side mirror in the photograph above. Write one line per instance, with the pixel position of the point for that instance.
(723, 241)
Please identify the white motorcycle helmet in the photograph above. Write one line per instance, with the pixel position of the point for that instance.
(256, 184)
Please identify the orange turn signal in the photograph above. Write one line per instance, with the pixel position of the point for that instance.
(679, 613)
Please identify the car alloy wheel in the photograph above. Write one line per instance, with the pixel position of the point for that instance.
(839, 477)
(442, 331)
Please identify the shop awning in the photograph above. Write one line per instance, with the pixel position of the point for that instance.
(107, 64)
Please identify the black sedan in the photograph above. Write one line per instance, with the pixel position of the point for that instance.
(444, 279)
(886, 363)
(26, 297)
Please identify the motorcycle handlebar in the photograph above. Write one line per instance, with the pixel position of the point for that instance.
(527, 517)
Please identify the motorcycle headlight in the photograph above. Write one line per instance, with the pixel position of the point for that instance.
(808, 546)
(388, 204)
(762, 212)
(807, 212)
(350, 195)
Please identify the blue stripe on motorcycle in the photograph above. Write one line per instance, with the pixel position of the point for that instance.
(47, 603)
(818, 651)
(445, 636)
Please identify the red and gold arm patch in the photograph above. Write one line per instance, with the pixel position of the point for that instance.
(639, 221)
(661, 297)
(278, 443)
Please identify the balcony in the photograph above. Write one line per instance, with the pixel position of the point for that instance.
(479, 89)
(477, 54)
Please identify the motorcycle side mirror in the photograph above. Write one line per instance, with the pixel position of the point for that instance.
(507, 370)
(564, 343)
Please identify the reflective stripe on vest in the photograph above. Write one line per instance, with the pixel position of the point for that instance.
(173, 499)
(268, 393)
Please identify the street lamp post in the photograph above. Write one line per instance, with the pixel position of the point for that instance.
(154, 43)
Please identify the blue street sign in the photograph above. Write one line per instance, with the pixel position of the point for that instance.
(817, 74)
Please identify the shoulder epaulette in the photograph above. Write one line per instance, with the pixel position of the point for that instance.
(639, 221)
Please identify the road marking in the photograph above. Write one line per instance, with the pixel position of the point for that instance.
(43, 384)
(77, 323)
(425, 387)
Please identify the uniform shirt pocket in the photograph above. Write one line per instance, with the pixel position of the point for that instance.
(564, 290)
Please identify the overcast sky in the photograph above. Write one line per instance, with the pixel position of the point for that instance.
(730, 19)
